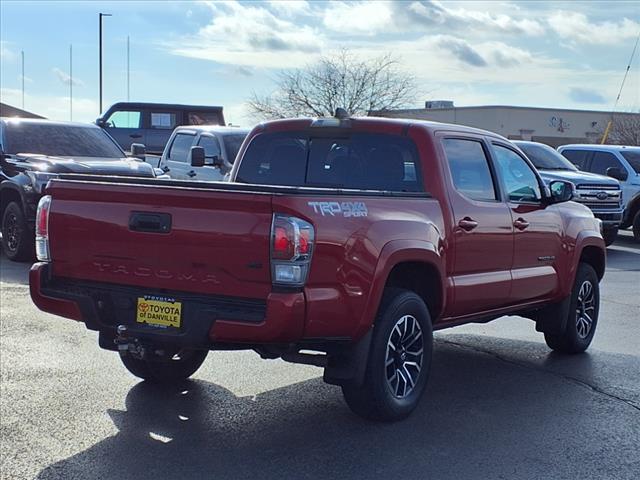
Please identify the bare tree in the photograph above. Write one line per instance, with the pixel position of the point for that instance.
(625, 130)
(341, 80)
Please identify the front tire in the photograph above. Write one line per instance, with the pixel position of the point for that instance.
(584, 307)
(399, 360)
(180, 367)
(18, 241)
(636, 226)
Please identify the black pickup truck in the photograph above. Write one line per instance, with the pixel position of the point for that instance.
(34, 151)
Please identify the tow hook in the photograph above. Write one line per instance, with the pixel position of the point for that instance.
(128, 345)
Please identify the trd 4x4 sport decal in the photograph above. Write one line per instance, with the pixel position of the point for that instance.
(345, 209)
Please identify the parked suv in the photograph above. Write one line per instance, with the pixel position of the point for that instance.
(619, 162)
(353, 238)
(205, 152)
(152, 123)
(600, 193)
(34, 151)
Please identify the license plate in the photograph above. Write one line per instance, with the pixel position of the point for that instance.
(159, 311)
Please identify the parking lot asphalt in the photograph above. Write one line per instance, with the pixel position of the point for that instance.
(499, 405)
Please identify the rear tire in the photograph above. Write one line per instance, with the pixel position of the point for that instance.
(610, 236)
(582, 318)
(18, 241)
(179, 368)
(399, 360)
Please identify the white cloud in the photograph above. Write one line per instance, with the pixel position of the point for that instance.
(6, 53)
(291, 8)
(476, 18)
(358, 17)
(260, 38)
(576, 27)
(65, 78)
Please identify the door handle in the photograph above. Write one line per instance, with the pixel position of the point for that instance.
(135, 135)
(467, 224)
(521, 223)
(192, 173)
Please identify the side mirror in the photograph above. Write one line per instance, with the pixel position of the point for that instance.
(561, 191)
(101, 122)
(196, 155)
(215, 161)
(138, 150)
(617, 173)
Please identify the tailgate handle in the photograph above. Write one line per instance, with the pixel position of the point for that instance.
(150, 222)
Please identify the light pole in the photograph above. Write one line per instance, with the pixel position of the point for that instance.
(100, 15)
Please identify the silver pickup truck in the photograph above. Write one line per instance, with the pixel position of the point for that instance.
(602, 194)
(203, 152)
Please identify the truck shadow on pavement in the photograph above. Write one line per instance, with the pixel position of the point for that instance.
(482, 417)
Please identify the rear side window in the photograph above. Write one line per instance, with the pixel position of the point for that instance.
(577, 157)
(163, 120)
(203, 118)
(603, 161)
(353, 161)
(470, 168)
(180, 147)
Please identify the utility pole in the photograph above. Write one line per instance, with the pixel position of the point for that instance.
(71, 83)
(128, 72)
(100, 15)
(22, 77)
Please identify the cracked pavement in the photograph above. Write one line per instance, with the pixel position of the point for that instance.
(499, 405)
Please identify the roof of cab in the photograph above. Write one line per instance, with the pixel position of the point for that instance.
(213, 128)
(602, 148)
(303, 123)
(175, 106)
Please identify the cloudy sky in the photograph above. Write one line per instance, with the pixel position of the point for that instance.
(551, 54)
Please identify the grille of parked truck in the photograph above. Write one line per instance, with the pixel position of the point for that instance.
(602, 194)
(339, 242)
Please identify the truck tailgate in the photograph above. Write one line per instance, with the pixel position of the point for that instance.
(162, 237)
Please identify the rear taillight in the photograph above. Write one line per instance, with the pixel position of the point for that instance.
(291, 249)
(42, 229)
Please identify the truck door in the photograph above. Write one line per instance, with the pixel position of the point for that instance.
(177, 159)
(538, 228)
(161, 125)
(126, 127)
(482, 230)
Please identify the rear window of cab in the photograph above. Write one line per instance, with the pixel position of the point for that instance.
(361, 161)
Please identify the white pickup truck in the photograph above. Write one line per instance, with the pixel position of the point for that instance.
(203, 152)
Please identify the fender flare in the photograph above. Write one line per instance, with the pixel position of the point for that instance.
(393, 253)
(586, 238)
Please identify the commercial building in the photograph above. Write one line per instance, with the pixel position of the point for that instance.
(9, 111)
(553, 126)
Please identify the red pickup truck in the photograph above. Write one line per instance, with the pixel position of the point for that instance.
(340, 242)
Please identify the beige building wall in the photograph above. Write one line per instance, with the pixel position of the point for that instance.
(554, 127)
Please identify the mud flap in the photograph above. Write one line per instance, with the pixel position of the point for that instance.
(552, 319)
(350, 365)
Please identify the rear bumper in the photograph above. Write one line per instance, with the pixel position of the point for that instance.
(205, 319)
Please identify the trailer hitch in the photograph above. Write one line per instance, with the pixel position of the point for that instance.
(129, 345)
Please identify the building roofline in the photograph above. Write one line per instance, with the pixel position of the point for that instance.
(510, 107)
